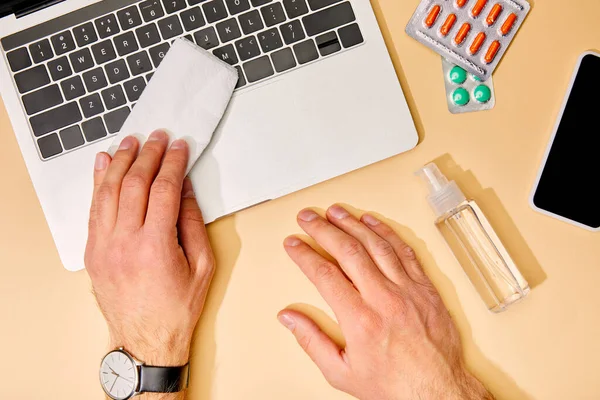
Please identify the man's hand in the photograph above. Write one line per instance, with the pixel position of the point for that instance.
(148, 253)
(401, 343)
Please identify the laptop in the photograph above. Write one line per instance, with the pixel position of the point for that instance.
(317, 95)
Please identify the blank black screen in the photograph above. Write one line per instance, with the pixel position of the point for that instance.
(570, 182)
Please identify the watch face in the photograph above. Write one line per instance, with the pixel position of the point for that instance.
(118, 375)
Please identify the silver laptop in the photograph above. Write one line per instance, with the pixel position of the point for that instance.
(317, 96)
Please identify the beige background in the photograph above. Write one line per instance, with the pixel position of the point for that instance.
(52, 336)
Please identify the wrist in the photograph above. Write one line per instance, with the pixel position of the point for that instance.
(171, 351)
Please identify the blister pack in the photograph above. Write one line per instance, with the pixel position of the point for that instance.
(466, 92)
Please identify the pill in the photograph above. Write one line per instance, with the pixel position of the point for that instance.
(477, 43)
(447, 27)
(458, 75)
(460, 97)
(492, 51)
(508, 24)
(478, 8)
(461, 3)
(494, 14)
(433, 16)
(482, 94)
(462, 33)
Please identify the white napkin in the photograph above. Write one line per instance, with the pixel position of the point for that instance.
(186, 97)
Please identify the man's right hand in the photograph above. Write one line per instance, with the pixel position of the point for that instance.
(401, 343)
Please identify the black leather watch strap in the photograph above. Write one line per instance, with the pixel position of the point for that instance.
(163, 379)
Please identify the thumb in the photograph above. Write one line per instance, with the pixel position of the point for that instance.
(318, 345)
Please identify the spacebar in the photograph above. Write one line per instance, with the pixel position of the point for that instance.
(328, 19)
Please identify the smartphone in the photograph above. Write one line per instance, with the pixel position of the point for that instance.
(568, 183)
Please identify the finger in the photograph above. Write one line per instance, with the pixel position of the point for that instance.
(347, 250)
(380, 250)
(405, 253)
(327, 277)
(100, 166)
(324, 352)
(106, 197)
(165, 192)
(135, 190)
(192, 233)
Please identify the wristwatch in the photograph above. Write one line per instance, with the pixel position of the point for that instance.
(123, 377)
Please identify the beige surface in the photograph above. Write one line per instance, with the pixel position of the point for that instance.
(545, 348)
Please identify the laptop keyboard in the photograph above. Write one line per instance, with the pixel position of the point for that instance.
(79, 75)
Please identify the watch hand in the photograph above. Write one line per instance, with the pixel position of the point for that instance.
(125, 379)
(113, 371)
(113, 385)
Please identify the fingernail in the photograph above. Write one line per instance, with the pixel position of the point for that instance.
(307, 215)
(127, 143)
(287, 321)
(179, 144)
(338, 212)
(101, 162)
(156, 135)
(188, 189)
(292, 241)
(370, 220)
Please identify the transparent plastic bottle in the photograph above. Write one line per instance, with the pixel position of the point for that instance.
(474, 242)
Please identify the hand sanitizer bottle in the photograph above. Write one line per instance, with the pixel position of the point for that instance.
(474, 242)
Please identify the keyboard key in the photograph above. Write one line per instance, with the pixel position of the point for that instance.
(134, 88)
(273, 14)
(258, 69)
(60, 68)
(227, 54)
(139, 63)
(241, 79)
(93, 129)
(19, 59)
(189, 37)
(107, 26)
(42, 99)
(114, 97)
(237, 6)
(292, 32)
(71, 137)
(318, 4)
(270, 40)
(149, 76)
(41, 51)
(251, 22)
(329, 18)
(214, 11)
(31, 79)
(247, 48)
(54, 119)
(63, 43)
(85, 34)
(192, 19)
(306, 51)
(116, 71)
(170, 27)
(206, 38)
(95, 80)
(350, 35)
(148, 35)
(158, 53)
(49, 146)
(104, 52)
(73, 88)
(283, 59)
(228, 30)
(115, 119)
(129, 17)
(126, 44)
(328, 43)
(151, 10)
(172, 6)
(81, 60)
(91, 105)
(295, 8)
(258, 3)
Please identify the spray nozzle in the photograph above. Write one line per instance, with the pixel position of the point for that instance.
(444, 195)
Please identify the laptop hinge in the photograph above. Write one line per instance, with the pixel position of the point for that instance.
(36, 6)
(24, 7)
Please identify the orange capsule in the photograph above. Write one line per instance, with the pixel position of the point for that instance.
(433, 16)
(461, 3)
(477, 42)
(494, 14)
(447, 27)
(508, 24)
(462, 33)
(492, 51)
(478, 8)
